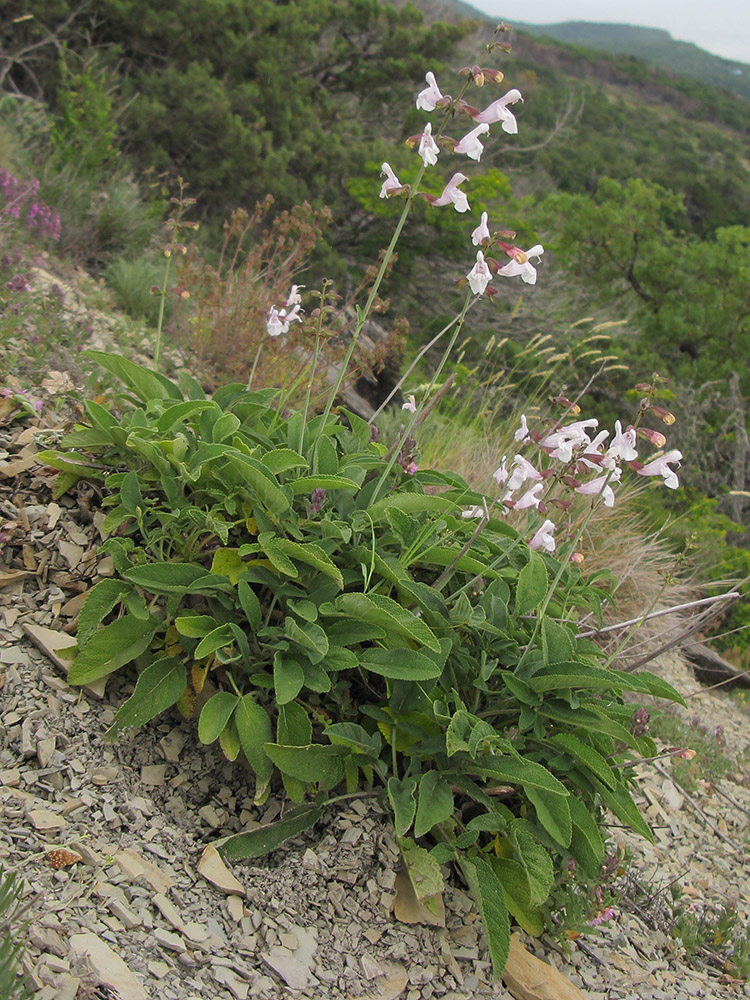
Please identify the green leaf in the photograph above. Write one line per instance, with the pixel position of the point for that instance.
(349, 734)
(268, 837)
(146, 384)
(178, 413)
(585, 718)
(532, 584)
(78, 467)
(400, 664)
(401, 798)
(288, 679)
(100, 600)
(489, 895)
(309, 553)
(557, 642)
(536, 862)
(282, 460)
(658, 687)
(317, 763)
(250, 605)
(216, 639)
(553, 814)
(434, 803)
(130, 494)
(586, 755)
(261, 481)
(224, 427)
(165, 577)
(227, 562)
(158, 687)
(309, 636)
(410, 503)
(195, 626)
(384, 611)
(111, 648)
(215, 714)
(518, 771)
(293, 727)
(229, 739)
(309, 483)
(254, 729)
(423, 870)
(621, 803)
(587, 846)
(515, 884)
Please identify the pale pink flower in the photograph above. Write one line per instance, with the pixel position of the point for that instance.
(470, 144)
(601, 487)
(428, 98)
(660, 467)
(563, 441)
(469, 512)
(295, 298)
(410, 404)
(623, 446)
(498, 112)
(482, 233)
(544, 538)
(391, 184)
(451, 193)
(525, 269)
(522, 434)
(428, 148)
(501, 475)
(523, 470)
(278, 320)
(530, 498)
(480, 275)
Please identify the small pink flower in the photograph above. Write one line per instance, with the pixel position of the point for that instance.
(544, 538)
(562, 442)
(470, 144)
(427, 99)
(601, 486)
(501, 475)
(623, 446)
(428, 148)
(471, 512)
(278, 320)
(391, 184)
(660, 467)
(524, 268)
(452, 194)
(410, 404)
(482, 233)
(295, 298)
(498, 112)
(523, 470)
(522, 434)
(411, 468)
(530, 498)
(480, 275)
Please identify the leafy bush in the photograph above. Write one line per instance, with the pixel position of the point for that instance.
(359, 630)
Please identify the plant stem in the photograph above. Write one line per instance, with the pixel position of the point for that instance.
(364, 313)
(160, 322)
(255, 364)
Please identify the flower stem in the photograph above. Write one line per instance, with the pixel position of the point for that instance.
(160, 322)
(364, 313)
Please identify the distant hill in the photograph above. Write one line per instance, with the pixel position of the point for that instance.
(652, 44)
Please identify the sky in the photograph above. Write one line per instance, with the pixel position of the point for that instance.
(718, 26)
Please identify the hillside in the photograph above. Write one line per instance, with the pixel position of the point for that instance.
(652, 45)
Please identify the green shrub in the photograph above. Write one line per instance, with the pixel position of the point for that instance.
(359, 631)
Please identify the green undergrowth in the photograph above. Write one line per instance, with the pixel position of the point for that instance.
(353, 632)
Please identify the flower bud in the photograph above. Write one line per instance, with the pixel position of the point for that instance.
(655, 437)
(664, 415)
(573, 408)
(154, 290)
(577, 557)
(686, 754)
(643, 386)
